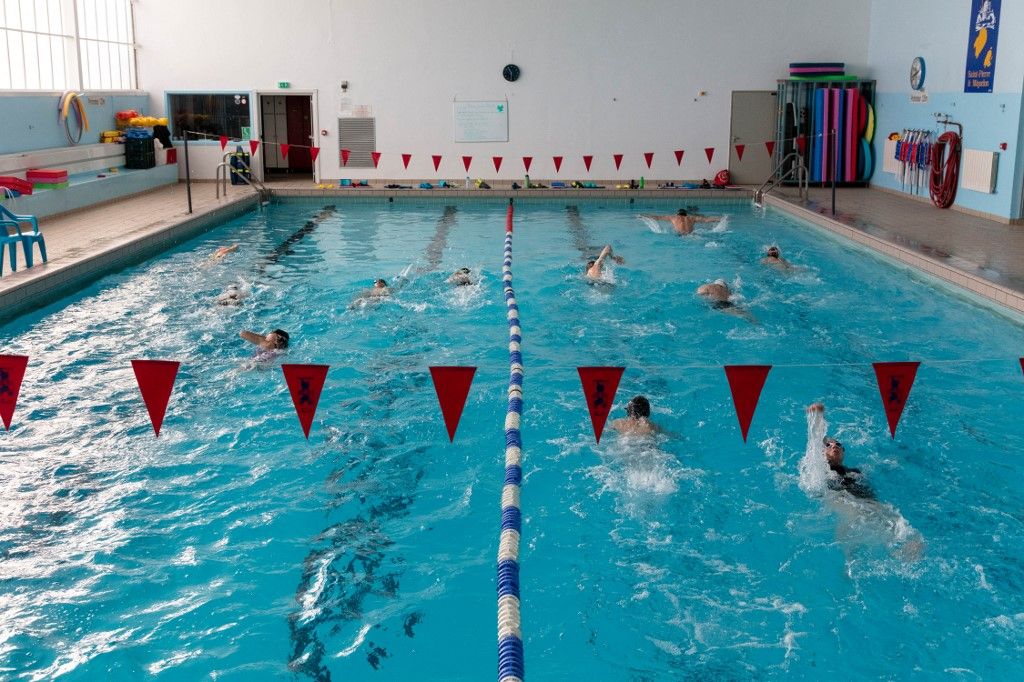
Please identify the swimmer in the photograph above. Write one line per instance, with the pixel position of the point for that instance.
(378, 292)
(717, 294)
(462, 277)
(594, 267)
(233, 295)
(846, 478)
(223, 251)
(638, 419)
(276, 340)
(773, 258)
(682, 221)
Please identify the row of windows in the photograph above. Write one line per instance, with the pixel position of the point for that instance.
(67, 44)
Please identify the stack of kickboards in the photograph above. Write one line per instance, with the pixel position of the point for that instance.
(47, 178)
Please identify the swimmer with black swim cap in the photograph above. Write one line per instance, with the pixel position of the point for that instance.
(682, 221)
(774, 258)
(275, 340)
(595, 266)
(847, 478)
(717, 294)
(462, 277)
(638, 419)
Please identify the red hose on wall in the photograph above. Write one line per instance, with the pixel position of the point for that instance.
(945, 170)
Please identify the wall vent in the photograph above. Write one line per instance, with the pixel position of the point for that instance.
(978, 170)
(359, 137)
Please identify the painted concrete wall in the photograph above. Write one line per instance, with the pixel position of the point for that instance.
(30, 121)
(938, 30)
(599, 76)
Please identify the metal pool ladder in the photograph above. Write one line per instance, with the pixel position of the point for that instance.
(224, 172)
(797, 169)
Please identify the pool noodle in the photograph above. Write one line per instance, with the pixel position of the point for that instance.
(819, 113)
(838, 119)
(852, 132)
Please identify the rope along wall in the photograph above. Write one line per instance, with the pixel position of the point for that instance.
(510, 638)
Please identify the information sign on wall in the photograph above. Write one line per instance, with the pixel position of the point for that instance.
(981, 45)
(481, 121)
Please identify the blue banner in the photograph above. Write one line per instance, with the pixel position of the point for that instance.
(981, 45)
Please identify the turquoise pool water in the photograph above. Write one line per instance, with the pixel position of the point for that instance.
(230, 548)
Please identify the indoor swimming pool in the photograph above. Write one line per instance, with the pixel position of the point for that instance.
(232, 548)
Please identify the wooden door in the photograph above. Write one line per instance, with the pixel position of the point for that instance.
(300, 132)
(753, 124)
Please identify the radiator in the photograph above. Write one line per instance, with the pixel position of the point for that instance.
(889, 162)
(978, 170)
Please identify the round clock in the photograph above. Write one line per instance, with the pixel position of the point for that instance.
(917, 73)
(511, 73)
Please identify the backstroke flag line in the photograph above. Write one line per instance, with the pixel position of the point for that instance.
(746, 383)
(599, 387)
(156, 381)
(452, 386)
(305, 383)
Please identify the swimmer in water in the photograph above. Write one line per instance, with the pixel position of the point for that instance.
(846, 478)
(717, 293)
(596, 267)
(638, 419)
(276, 340)
(223, 251)
(682, 221)
(462, 277)
(774, 258)
(233, 295)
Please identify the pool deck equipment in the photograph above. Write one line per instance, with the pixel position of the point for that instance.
(510, 638)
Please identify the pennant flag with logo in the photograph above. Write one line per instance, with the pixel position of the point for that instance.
(405, 159)
(599, 387)
(527, 160)
(770, 146)
(305, 382)
(12, 371)
(679, 157)
(466, 160)
(452, 386)
(648, 157)
(313, 153)
(587, 160)
(895, 380)
(710, 152)
(739, 151)
(437, 161)
(558, 163)
(156, 380)
(618, 160)
(223, 142)
(746, 382)
(284, 150)
(497, 163)
(253, 146)
(376, 158)
(344, 156)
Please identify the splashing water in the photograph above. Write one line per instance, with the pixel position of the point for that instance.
(653, 225)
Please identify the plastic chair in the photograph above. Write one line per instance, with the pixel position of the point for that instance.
(11, 241)
(27, 238)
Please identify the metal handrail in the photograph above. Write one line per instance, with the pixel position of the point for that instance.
(798, 168)
(255, 183)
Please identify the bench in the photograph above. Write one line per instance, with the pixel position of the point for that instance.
(85, 165)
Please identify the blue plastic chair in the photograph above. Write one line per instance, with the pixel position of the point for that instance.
(27, 238)
(11, 241)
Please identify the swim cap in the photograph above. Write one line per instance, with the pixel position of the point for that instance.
(638, 407)
(681, 211)
(379, 281)
(283, 336)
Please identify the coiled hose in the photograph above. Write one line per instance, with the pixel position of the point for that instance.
(945, 170)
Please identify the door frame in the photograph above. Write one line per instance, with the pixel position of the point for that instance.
(314, 121)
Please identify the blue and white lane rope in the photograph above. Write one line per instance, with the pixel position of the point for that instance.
(510, 637)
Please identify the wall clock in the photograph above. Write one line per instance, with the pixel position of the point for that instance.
(917, 73)
(511, 73)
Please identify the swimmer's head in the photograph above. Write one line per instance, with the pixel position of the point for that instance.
(638, 408)
(721, 283)
(464, 271)
(590, 264)
(834, 451)
(379, 284)
(279, 338)
(773, 252)
(681, 212)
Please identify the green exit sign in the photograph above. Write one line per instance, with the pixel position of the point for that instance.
(284, 85)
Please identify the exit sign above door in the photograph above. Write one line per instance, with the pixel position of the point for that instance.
(284, 85)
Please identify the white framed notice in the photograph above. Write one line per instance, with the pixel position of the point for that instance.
(481, 121)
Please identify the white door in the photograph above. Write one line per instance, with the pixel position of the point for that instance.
(754, 114)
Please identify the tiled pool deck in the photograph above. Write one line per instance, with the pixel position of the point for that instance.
(981, 256)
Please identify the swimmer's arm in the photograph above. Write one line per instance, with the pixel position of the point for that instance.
(707, 218)
(605, 252)
(252, 337)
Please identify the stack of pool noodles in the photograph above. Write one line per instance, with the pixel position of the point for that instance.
(850, 158)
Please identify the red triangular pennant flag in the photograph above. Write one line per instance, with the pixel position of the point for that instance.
(558, 162)
(710, 151)
(452, 386)
(587, 159)
(253, 146)
(648, 157)
(1022, 364)
(406, 158)
(801, 143)
(12, 371)
(746, 382)
(599, 387)
(305, 382)
(223, 142)
(497, 163)
(679, 157)
(527, 160)
(618, 161)
(313, 153)
(466, 160)
(770, 146)
(895, 380)
(437, 161)
(156, 380)
(344, 156)
(739, 150)
(376, 158)
(284, 150)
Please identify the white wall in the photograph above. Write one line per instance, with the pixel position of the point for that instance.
(599, 76)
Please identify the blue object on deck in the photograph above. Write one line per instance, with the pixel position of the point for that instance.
(11, 241)
(27, 238)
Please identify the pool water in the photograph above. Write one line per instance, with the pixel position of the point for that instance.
(230, 548)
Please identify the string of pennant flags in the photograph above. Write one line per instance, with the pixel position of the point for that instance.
(467, 160)
(305, 382)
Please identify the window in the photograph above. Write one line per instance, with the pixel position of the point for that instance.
(210, 114)
(67, 44)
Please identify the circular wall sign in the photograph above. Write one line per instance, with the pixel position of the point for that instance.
(917, 73)
(511, 73)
